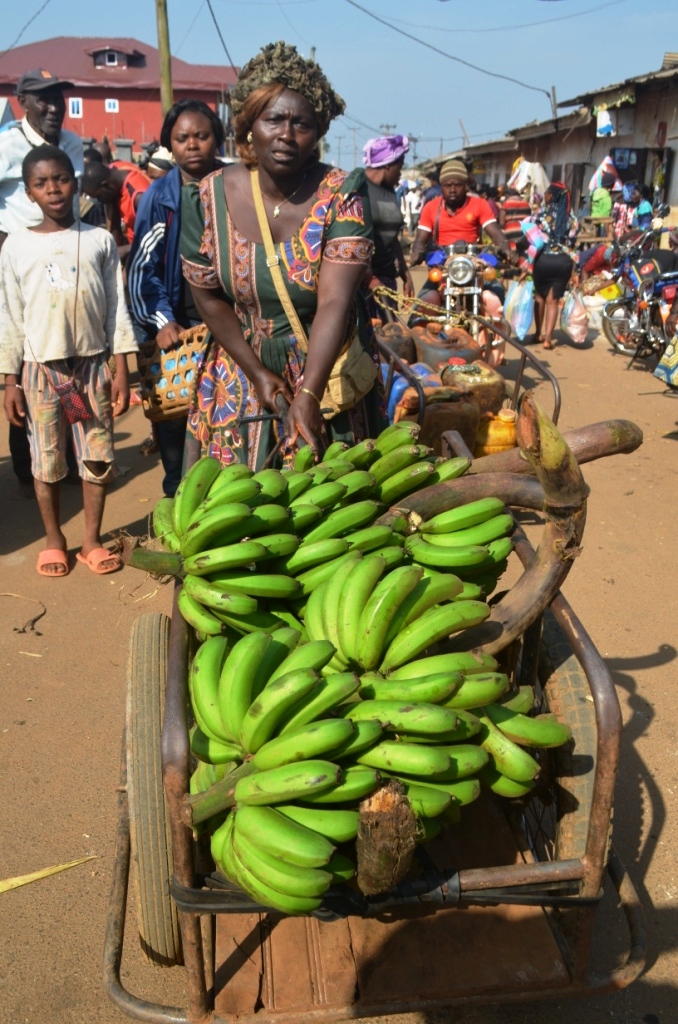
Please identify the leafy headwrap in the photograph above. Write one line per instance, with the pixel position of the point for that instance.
(280, 62)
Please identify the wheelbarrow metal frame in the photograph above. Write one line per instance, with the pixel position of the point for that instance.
(587, 871)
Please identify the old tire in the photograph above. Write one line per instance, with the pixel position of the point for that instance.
(568, 695)
(617, 326)
(151, 845)
(556, 817)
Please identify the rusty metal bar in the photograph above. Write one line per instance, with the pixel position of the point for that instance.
(139, 1009)
(609, 723)
(175, 773)
(542, 370)
(633, 912)
(546, 872)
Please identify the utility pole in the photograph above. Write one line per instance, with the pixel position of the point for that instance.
(466, 139)
(339, 141)
(413, 139)
(164, 56)
(388, 129)
(355, 147)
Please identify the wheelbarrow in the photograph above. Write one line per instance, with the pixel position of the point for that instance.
(500, 910)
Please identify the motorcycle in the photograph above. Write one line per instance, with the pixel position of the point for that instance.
(634, 322)
(465, 277)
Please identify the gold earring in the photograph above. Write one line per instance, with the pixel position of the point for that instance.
(249, 138)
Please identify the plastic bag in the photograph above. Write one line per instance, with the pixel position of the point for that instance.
(519, 307)
(574, 318)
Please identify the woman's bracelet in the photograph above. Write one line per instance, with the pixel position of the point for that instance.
(307, 391)
(15, 385)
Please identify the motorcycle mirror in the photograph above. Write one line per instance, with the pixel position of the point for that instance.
(663, 210)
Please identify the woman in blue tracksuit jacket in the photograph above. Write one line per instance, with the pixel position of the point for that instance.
(161, 300)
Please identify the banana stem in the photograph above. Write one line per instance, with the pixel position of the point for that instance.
(595, 441)
(199, 807)
(513, 489)
(552, 462)
(159, 563)
(565, 493)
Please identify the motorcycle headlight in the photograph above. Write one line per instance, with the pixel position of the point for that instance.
(461, 270)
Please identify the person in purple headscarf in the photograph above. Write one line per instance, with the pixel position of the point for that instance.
(383, 160)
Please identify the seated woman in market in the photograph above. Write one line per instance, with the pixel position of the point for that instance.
(280, 339)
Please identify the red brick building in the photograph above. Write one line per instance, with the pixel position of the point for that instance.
(116, 84)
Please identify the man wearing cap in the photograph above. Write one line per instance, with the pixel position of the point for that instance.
(41, 95)
(456, 216)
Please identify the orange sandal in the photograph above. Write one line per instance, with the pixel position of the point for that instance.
(52, 556)
(96, 558)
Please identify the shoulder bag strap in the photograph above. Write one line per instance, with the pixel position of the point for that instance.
(273, 264)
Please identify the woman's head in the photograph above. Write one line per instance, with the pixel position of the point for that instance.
(278, 69)
(192, 132)
(384, 157)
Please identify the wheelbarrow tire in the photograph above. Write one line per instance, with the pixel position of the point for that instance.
(567, 694)
(151, 844)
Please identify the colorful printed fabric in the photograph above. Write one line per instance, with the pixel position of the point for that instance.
(215, 255)
(667, 367)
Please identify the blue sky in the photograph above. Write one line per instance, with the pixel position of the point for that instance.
(387, 79)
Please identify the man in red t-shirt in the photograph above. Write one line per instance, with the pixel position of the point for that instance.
(456, 216)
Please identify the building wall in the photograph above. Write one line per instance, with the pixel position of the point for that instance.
(573, 155)
(581, 147)
(139, 115)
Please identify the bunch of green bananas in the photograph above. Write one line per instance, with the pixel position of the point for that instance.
(303, 749)
(313, 680)
(249, 543)
(471, 541)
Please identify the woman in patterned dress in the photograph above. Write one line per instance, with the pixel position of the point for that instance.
(319, 220)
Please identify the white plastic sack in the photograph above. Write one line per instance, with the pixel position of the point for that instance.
(530, 176)
(574, 318)
(519, 307)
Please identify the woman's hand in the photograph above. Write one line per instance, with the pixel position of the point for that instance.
(408, 283)
(304, 420)
(267, 385)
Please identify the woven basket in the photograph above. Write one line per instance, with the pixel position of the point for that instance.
(168, 376)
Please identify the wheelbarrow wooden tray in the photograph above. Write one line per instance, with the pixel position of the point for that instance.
(300, 968)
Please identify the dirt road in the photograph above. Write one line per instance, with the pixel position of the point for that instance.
(64, 695)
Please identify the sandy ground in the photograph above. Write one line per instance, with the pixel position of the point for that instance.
(62, 714)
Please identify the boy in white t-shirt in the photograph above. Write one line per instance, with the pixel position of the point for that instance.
(62, 312)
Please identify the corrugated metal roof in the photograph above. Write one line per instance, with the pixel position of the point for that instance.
(503, 145)
(586, 98)
(72, 59)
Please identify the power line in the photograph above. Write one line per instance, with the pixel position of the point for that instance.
(450, 56)
(29, 22)
(281, 7)
(367, 127)
(510, 28)
(216, 25)
(189, 29)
